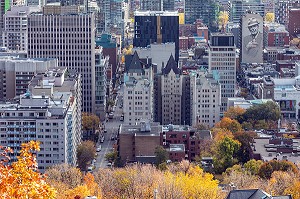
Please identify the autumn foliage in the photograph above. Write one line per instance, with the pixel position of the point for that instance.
(21, 179)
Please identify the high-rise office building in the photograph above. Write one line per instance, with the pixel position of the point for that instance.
(111, 11)
(237, 8)
(156, 27)
(50, 112)
(282, 11)
(69, 36)
(205, 10)
(222, 64)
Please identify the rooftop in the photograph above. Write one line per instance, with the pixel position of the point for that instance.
(269, 151)
(155, 13)
(153, 129)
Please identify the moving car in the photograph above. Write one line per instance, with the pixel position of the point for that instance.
(99, 148)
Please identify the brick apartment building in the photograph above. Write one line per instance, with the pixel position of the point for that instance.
(137, 143)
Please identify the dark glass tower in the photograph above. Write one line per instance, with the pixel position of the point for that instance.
(156, 27)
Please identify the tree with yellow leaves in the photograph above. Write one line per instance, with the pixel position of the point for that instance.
(269, 17)
(223, 20)
(21, 180)
(90, 121)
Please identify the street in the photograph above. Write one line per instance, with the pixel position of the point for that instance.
(112, 127)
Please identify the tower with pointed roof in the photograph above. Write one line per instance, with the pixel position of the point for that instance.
(171, 93)
(138, 89)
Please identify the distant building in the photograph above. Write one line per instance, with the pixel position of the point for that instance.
(294, 22)
(111, 11)
(276, 35)
(110, 48)
(237, 8)
(205, 10)
(16, 74)
(205, 99)
(222, 64)
(50, 112)
(101, 83)
(138, 92)
(156, 27)
(282, 11)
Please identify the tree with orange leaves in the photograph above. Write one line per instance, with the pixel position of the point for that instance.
(234, 112)
(21, 179)
(230, 124)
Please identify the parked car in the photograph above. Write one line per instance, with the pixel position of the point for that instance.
(102, 139)
(122, 118)
(112, 137)
(99, 148)
(90, 169)
(105, 131)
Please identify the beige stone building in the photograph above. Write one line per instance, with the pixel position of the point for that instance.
(205, 98)
(171, 93)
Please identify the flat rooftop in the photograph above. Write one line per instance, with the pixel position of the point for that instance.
(270, 153)
(155, 129)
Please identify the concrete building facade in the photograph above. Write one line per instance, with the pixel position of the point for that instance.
(205, 99)
(16, 73)
(50, 112)
(222, 64)
(171, 93)
(64, 33)
(138, 92)
(15, 30)
(159, 54)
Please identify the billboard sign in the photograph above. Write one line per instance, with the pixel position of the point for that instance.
(252, 38)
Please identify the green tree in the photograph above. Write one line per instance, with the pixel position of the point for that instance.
(244, 138)
(111, 156)
(85, 154)
(252, 166)
(161, 155)
(226, 150)
(266, 111)
(261, 124)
